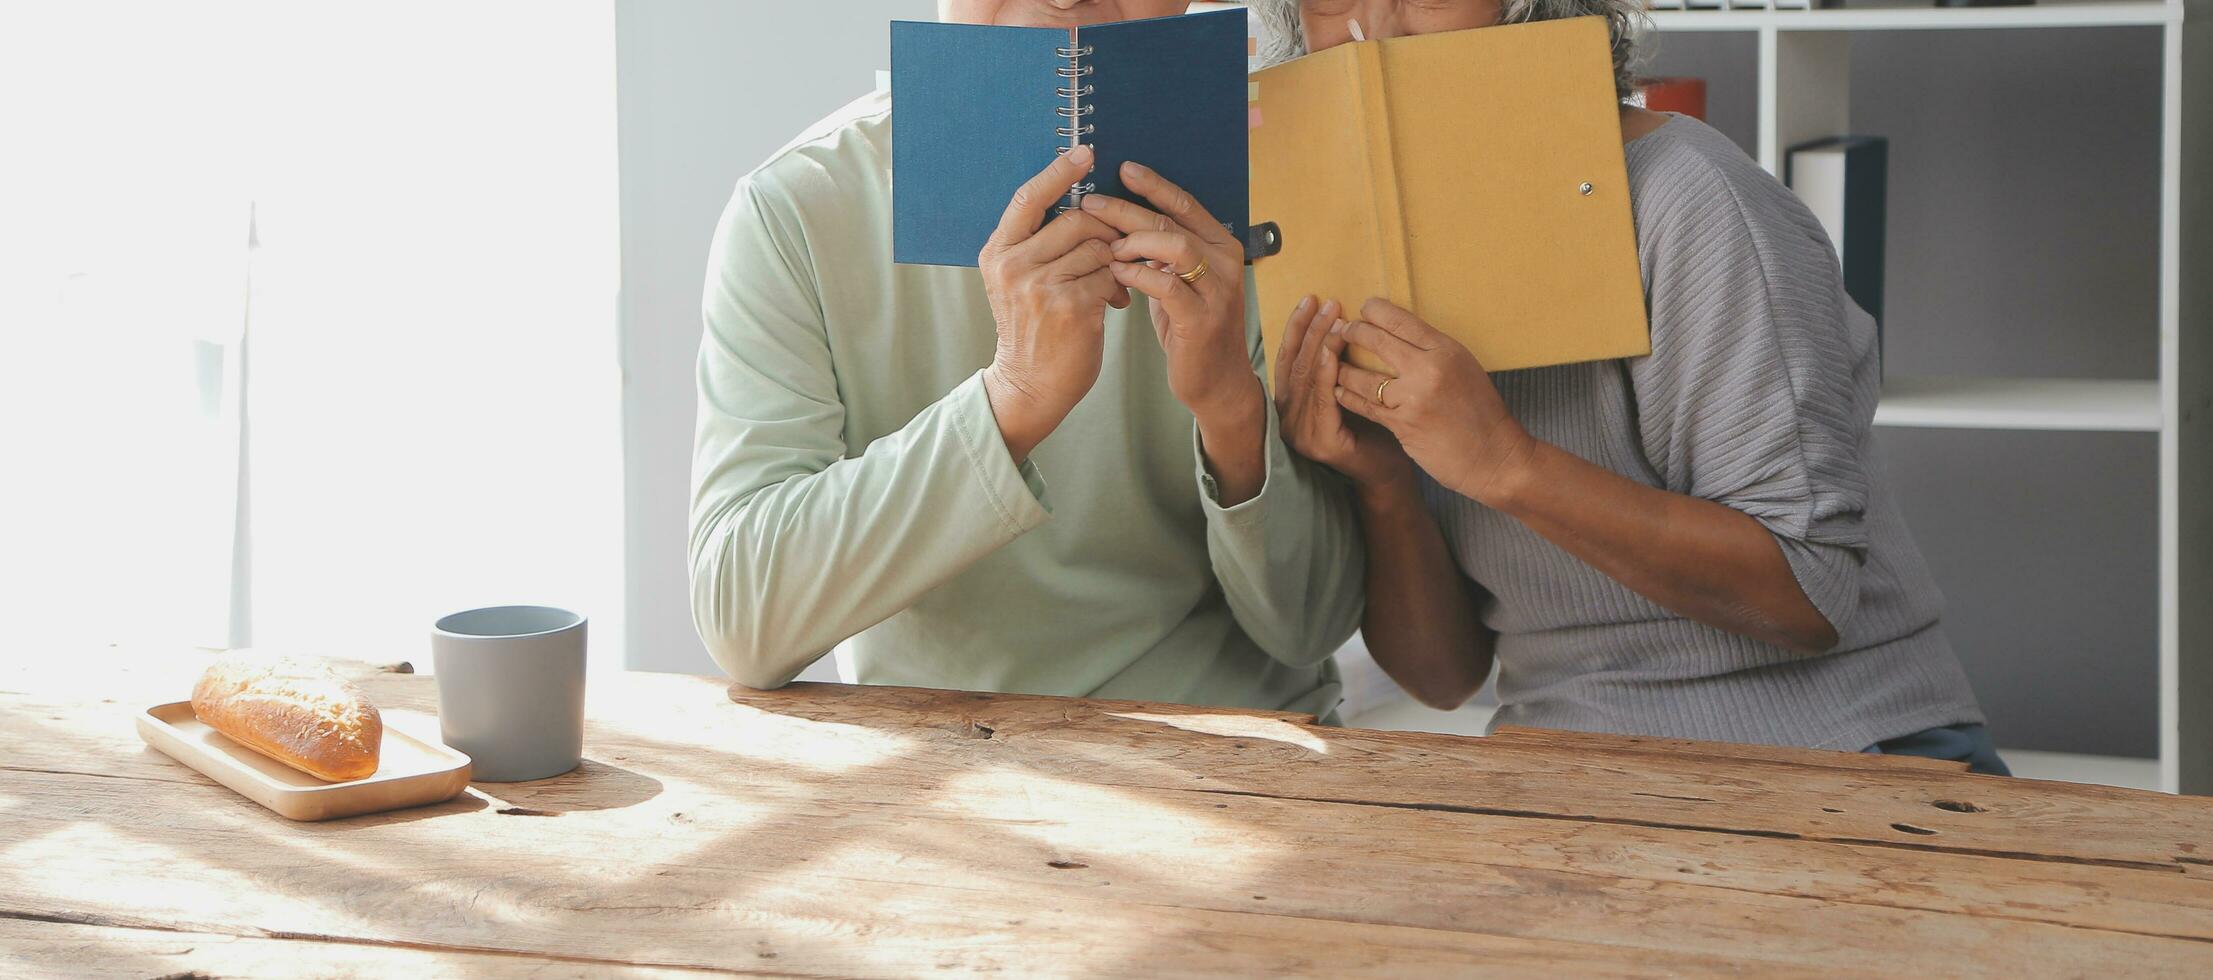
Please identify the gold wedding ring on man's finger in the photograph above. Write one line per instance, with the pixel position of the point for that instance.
(1379, 386)
(1197, 272)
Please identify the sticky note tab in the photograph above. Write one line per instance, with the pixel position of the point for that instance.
(1252, 117)
(1252, 91)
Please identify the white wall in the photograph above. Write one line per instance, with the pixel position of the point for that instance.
(707, 89)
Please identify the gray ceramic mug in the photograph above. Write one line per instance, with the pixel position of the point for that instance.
(511, 689)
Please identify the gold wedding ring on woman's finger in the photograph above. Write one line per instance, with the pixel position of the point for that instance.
(1379, 386)
(1197, 272)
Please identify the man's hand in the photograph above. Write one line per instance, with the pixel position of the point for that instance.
(1200, 320)
(1201, 323)
(1049, 289)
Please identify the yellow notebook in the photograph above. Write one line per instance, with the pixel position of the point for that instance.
(1473, 177)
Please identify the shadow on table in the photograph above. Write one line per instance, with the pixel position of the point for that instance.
(592, 785)
(805, 814)
(950, 739)
(467, 802)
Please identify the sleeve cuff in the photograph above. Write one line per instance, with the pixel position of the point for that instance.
(1210, 493)
(1828, 574)
(1016, 493)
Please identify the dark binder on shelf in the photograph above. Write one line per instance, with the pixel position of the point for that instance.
(976, 110)
(1841, 179)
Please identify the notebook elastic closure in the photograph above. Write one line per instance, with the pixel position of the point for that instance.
(1263, 239)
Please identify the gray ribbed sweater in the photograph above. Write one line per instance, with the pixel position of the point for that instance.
(1759, 393)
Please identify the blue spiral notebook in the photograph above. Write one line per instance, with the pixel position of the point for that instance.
(976, 110)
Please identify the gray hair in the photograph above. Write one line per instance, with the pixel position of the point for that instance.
(1281, 38)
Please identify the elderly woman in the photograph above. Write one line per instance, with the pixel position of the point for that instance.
(1698, 543)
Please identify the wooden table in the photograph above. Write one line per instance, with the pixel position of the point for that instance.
(827, 830)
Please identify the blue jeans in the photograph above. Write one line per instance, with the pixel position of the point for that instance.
(1960, 743)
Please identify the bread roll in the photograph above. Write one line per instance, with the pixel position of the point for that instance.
(298, 713)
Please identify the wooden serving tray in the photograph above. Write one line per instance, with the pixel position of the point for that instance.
(410, 771)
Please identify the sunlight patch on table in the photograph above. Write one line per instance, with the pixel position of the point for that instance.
(688, 825)
(1060, 818)
(113, 872)
(1236, 726)
(470, 884)
(827, 746)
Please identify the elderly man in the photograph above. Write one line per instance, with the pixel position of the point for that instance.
(1006, 479)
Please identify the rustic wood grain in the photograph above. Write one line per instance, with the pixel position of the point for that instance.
(1906, 806)
(1681, 747)
(829, 830)
(34, 947)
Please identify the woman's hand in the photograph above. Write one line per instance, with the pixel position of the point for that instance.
(1438, 402)
(1200, 323)
(1049, 289)
(1698, 558)
(1306, 372)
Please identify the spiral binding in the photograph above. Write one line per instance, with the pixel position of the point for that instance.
(1074, 112)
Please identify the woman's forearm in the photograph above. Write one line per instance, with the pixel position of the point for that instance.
(1700, 559)
(1420, 624)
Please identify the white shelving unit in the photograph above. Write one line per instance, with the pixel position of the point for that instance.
(2086, 13)
(1804, 80)
(2044, 404)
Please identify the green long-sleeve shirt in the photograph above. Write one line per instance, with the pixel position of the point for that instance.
(849, 480)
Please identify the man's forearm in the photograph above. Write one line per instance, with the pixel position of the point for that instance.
(784, 570)
(1233, 440)
(1701, 559)
(1290, 567)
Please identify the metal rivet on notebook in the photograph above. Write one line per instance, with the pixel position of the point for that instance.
(1585, 188)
